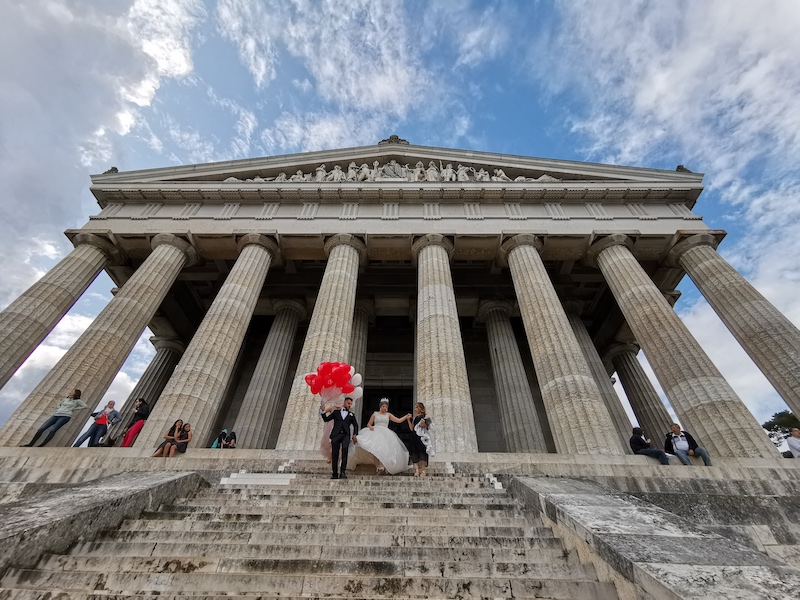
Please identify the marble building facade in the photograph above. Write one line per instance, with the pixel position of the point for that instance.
(504, 292)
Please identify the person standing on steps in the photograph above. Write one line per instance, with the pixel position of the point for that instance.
(63, 414)
(102, 419)
(380, 445)
(421, 443)
(141, 411)
(342, 419)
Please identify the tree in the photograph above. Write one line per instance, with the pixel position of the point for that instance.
(781, 422)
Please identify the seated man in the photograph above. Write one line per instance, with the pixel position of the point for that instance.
(794, 444)
(641, 445)
(683, 445)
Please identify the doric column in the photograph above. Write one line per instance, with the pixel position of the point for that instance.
(771, 340)
(705, 402)
(521, 428)
(262, 398)
(363, 317)
(577, 414)
(95, 358)
(196, 389)
(615, 410)
(151, 383)
(650, 411)
(327, 339)
(442, 384)
(27, 320)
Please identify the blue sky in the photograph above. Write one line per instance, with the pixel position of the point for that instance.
(713, 85)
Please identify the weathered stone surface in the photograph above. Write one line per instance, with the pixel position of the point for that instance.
(363, 316)
(27, 320)
(50, 522)
(196, 389)
(441, 370)
(771, 340)
(327, 339)
(706, 404)
(94, 359)
(261, 400)
(578, 417)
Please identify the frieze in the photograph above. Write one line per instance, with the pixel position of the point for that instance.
(394, 171)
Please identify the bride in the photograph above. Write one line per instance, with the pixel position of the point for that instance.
(379, 445)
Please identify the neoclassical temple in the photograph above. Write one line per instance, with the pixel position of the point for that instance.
(502, 291)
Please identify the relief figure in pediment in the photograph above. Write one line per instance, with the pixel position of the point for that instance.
(447, 172)
(392, 169)
(499, 175)
(281, 176)
(320, 173)
(352, 172)
(418, 172)
(297, 176)
(375, 172)
(432, 173)
(462, 172)
(363, 172)
(482, 175)
(336, 175)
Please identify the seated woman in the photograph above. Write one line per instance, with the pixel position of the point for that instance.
(220, 440)
(230, 440)
(181, 440)
(379, 445)
(169, 439)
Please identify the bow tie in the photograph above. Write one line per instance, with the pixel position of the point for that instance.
(344, 410)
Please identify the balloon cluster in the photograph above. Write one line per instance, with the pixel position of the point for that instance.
(334, 381)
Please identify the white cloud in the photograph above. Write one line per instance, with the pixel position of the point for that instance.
(713, 85)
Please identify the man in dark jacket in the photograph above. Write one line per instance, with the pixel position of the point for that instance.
(683, 445)
(641, 445)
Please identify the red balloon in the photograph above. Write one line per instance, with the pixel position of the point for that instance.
(310, 378)
(316, 388)
(347, 388)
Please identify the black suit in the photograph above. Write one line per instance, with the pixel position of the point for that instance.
(340, 436)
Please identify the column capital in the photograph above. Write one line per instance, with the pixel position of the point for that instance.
(368, 306)
(431, 239)
(487, 306)
(346, 239)
(701, 239)
(168, 343)
(615, 239)
(180, 243)
(259, 240)
(523, 239)
(619, 348)
(113, 253)
(297, 306)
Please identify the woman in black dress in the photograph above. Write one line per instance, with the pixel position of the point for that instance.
(419, 448)
(169, 439)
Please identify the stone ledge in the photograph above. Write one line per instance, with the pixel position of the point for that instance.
(662, 554)
(52, 521)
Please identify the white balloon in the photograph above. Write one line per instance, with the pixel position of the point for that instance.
(356, 379)
(357, 393)
(352, 370)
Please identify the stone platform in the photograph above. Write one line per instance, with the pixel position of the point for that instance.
(116, 523)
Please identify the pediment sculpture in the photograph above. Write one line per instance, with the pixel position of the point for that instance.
(394, 171)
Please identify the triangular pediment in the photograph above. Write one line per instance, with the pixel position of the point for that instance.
(396, 163)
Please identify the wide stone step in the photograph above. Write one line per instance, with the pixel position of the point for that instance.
(329, 539)
(246, 505)
(547, 550)
(346, 586)
(374, 564)
(383, 483)
(343, 511)
(317, 494)
(286, 517)
(521, 530)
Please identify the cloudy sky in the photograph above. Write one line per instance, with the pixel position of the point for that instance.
(714, 85)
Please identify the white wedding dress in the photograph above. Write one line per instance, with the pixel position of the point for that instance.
(381, 443)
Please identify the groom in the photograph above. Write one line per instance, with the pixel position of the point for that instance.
(340, 435)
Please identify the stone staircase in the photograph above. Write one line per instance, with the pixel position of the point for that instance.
(303, 535)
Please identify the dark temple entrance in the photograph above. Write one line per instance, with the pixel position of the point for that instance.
(401, 402)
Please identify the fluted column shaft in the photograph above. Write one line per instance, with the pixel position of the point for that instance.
(95, 358)
(196, 389)
(442, 384)
(362, 317)
(615, 409)
(327, 339)
(261, 400)
(521, 427)
(151, 383)
(27, 320)
(577, 414)
(705, 402)
(650, 411)
(771, 340)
